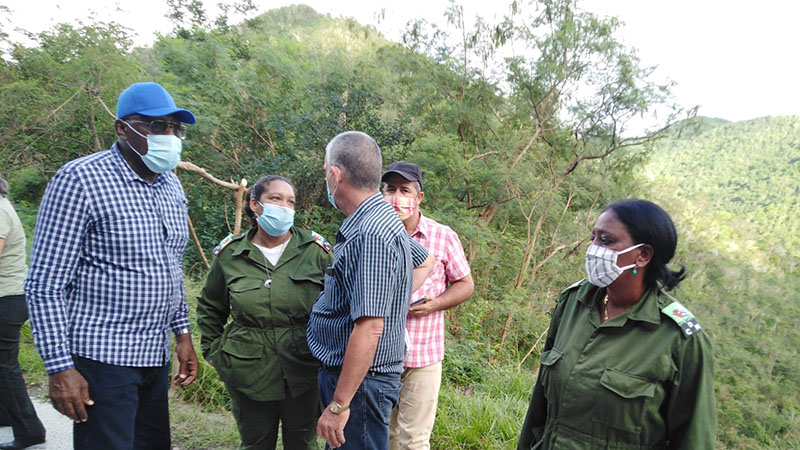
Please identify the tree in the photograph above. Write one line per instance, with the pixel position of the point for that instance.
(52, 94)
(527, 122)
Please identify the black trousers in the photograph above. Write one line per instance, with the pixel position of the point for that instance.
(130, 408)
(16, 408)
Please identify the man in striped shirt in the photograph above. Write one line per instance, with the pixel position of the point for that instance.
(448, 285)
(105, 286)
(357, 324)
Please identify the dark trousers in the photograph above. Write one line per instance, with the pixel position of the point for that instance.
(130, 408)
(368, 425)
(258, 420)
(16, 408)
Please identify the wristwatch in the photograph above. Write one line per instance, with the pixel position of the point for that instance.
(337, 408)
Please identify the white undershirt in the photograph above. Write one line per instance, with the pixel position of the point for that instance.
(273, 254)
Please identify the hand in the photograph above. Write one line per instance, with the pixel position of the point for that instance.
(424, 308)
(187, 360)
(330, 427)
(69, 393)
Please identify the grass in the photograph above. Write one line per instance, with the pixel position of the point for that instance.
(485, 416)
(195, 428)
(29, 360)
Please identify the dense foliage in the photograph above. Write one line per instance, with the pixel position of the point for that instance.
(518, 154)
(733, 188)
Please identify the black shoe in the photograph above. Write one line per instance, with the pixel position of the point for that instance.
(19, 444)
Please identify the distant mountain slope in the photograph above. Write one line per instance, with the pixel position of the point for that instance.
(698, 125)
(732, 189)
(750, 170)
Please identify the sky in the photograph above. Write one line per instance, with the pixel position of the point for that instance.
(735, 59)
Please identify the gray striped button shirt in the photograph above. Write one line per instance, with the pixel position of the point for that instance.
(371, 276)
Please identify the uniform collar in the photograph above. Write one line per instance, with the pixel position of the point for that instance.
(245, 245)
(645, 310)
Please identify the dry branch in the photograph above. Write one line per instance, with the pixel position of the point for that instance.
(197, 243)
(534, 347)
(185, 165)
(237, 221)
(551, 255)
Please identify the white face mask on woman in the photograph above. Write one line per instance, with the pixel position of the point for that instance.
(601, 264)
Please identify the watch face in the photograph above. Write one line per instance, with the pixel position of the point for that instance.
(336, 408)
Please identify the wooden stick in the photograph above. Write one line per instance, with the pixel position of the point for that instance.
(532, 348)
(237, 220)
(197, 243)
(185, 165)
(509, 318)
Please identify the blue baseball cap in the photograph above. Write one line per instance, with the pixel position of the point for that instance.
(150, 99)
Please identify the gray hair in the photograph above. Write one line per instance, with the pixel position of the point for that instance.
(359, 157)
(3, 186)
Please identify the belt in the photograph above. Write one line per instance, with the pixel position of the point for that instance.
(333, 370)
(337, 370)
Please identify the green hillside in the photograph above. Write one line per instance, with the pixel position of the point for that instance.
(733, 189)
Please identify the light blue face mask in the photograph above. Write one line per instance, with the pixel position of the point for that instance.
(163, 151)
(275, 220)
(330, 195)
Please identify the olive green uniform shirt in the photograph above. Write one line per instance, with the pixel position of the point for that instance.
(12, 259)
(264, 345)
(634, 382)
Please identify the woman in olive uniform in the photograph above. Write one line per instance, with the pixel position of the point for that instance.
(624, 365)
(266, 280)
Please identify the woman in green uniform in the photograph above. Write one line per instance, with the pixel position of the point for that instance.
(266, 280)
(624, 365)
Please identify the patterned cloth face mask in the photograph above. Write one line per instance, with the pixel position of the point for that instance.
(601, 264)
(403, 206)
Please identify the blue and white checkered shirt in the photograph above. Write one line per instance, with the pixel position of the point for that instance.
(373, 262)
(106, 277)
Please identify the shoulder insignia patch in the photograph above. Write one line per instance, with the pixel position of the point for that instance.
(222, 244)
(321, 241)
(682, 317)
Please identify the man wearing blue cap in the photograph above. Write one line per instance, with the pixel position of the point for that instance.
(105, 285)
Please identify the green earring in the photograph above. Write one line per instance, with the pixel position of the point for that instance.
(634, 270)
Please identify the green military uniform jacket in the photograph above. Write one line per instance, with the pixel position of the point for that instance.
(637, 381)
(265, 342)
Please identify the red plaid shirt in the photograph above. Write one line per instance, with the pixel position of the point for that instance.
(426, 334)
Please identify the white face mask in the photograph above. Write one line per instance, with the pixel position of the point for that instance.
(601, 264)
